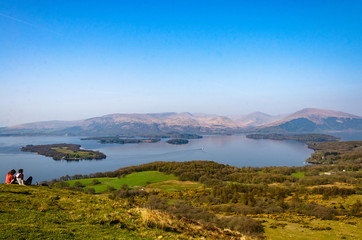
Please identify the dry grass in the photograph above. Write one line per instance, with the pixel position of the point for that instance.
(336, 184)
(190, 229)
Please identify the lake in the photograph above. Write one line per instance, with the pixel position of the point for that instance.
(236, 150)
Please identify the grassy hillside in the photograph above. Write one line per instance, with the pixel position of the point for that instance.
(36, 212)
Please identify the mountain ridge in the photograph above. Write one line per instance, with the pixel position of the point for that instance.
(315, 115)
(305, 120)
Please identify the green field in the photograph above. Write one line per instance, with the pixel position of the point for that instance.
(298, 174)
(134, 180)
(174, 185)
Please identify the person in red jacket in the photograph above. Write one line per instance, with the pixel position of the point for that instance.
(10, 179)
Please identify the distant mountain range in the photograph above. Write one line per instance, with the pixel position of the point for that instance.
(306, 120)
(132, 124)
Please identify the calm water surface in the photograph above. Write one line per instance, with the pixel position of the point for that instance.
(234, 150)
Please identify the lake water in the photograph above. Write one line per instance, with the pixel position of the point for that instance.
(236, 150)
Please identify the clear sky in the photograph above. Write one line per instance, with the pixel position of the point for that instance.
(70, 60)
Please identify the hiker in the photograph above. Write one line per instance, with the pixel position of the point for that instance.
(20, 178)
(10, 179)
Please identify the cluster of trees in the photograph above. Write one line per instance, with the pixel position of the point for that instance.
(271, 199)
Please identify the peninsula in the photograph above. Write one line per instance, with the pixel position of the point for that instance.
(336, 152)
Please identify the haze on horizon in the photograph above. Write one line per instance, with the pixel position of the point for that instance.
(70, 60)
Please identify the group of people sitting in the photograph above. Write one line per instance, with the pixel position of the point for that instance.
(18, 178)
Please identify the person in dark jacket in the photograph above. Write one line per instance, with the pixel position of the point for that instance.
(20, 178)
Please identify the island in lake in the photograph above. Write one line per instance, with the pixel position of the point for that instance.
(178, 141)
(149, 138)
(300, 137)
(118, 140)
(64, 151)
(176, 135)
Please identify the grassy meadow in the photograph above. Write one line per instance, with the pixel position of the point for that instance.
(133, 181)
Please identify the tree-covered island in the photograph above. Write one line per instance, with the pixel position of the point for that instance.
(149, 138)
(178, 141)
(64, 151)
(178, 135)
(300, 137)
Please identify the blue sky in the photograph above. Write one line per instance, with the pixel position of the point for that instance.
(69, 60)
